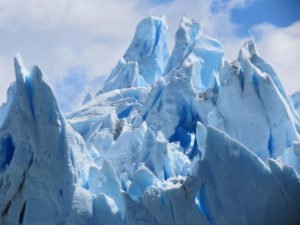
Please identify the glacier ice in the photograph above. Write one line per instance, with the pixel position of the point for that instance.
(186, 139)
(195, 54)
(296, 101)
(145, 59)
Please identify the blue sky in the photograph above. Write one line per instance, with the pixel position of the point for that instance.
(281, 13)
(78, 42)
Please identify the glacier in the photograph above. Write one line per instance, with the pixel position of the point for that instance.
(181, 138)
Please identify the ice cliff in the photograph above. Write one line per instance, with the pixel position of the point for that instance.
(186, 138)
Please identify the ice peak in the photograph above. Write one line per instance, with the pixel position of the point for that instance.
(146, 58)
(186, 36)
(252, 47)
(191, 29)
(20, 69)
(249, 48)
(149, 34)
(195, 55)
(37, 74)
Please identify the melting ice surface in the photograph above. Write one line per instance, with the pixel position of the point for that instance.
(187, 138)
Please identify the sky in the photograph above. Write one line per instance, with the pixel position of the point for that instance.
(78, 42)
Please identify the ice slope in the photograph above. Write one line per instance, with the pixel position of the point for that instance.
(265, 67)
(237, 187)
(193, 139)
(296, 101)
(145, 60)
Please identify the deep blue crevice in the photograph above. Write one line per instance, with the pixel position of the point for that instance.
(86, 185)
(166, 173)
(182, 135)
(270, 145)
(242, 80)
(7, 150)
(154, 96)
(125, 113)
(22, 213)
(186, 126)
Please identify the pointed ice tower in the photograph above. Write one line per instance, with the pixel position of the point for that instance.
(250, 97)
(43, 157)
(145, 60)
(265, 67)
(195, 55)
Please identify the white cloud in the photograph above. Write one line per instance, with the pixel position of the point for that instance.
(90, 36)
(62, 35)
(6, 76)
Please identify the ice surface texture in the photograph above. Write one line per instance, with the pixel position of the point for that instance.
(185, 139)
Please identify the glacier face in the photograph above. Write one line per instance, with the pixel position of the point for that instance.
(186, 138)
